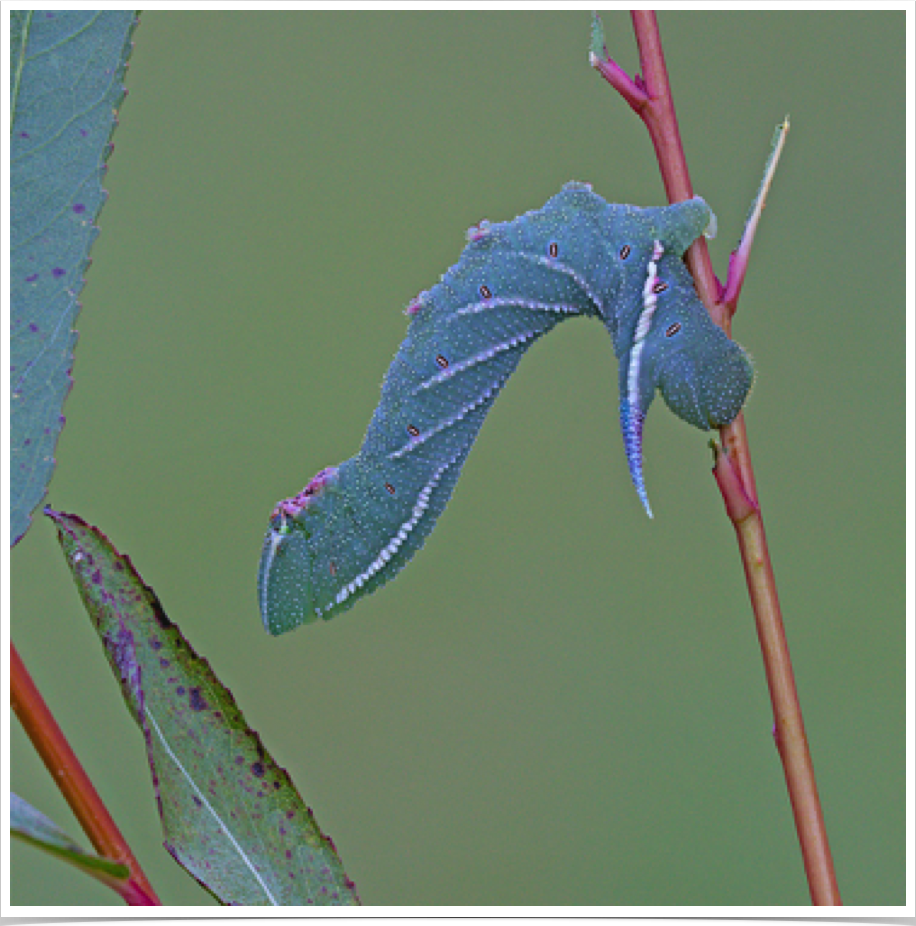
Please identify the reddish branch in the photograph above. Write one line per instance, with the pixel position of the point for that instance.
(650, 98)
(67, 773)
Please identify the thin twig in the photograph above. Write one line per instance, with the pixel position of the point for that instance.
(67, 773)
(733, 470)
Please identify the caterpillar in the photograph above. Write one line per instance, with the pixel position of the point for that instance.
(354, 526)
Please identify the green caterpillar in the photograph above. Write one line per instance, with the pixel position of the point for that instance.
(354, 526)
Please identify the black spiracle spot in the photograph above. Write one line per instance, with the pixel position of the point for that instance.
(485, 291)
(659, 286)
(625, 252)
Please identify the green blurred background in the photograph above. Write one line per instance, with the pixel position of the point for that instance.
(559, 701)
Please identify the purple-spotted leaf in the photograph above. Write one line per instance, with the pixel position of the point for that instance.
(231, 817)
(66, 82)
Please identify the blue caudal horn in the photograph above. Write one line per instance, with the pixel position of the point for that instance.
(631, 422)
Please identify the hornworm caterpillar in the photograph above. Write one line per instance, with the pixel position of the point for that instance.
(354, 526)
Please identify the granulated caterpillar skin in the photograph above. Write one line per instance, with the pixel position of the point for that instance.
(354, 526)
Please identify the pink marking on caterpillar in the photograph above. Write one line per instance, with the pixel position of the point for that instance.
(291, 507)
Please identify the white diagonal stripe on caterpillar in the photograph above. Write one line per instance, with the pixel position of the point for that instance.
(643, 324)
(470, 362)
(554, 263)
(474, 308)
(455, 419)
(393, 545)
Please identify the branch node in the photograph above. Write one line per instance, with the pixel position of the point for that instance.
(633, 91)
(738, 504)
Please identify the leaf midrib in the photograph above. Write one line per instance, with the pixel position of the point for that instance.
(212, 810)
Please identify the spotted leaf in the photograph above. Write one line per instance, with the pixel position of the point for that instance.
(66, 83)
(230, 815)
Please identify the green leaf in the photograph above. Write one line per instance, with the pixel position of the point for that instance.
(777, 143)
(231, 816)
(66, 82)
(31, 826)
(598, 47)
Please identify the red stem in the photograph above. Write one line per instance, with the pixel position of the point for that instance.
(661, 121)
(67, 773)
(735, 477)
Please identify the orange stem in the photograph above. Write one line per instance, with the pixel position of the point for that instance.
(788, 725)
(67, 773)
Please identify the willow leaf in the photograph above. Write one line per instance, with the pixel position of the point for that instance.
(66, 82)
(231, 816)
(33, 827)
